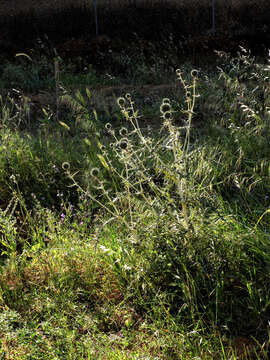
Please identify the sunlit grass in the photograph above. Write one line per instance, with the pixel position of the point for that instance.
(132, 240)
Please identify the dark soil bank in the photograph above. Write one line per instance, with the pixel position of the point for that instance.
(23, 22)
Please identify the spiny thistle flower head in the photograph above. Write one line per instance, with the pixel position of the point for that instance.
(95, 172)
(167, 115)
(166, 101)
(123, 144)
(66, 166)
(123, 131)
(121, 101)
(165, 107)
(188, 95)
(194, 73)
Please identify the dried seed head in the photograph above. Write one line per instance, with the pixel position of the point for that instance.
(108, 126)
(128, 96)
(188, 95)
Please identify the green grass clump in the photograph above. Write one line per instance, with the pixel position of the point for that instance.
(126, 242)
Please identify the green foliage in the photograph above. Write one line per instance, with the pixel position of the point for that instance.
(8, 231)
(31, 76)
(127, 242)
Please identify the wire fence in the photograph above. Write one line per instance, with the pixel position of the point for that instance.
(237, 15)
(121, 18)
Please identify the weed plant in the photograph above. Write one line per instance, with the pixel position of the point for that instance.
(178, 246)
(31, 77)
(145, 245)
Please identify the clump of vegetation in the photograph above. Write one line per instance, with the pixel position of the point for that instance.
(139, 241)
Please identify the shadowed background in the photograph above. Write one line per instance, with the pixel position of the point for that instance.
(23, 22)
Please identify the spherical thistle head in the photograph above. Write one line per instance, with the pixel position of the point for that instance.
(128, 96)
(165, 107)
(167, 115)
(194, 73)
(188, 95)
(166, 101)
(121, 101)
(66, 166)
(108, 126)
(123, 131)
(95, 172)
(123, 144)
